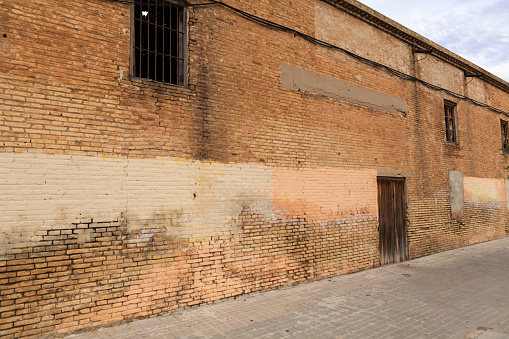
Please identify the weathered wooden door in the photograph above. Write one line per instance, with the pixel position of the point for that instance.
(392, 220)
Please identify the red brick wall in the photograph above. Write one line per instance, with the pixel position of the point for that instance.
(70, 113)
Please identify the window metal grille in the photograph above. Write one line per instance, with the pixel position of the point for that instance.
(159, 35)
(450, 122)
(505, 141)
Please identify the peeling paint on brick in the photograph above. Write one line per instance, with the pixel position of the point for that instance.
(125, 199)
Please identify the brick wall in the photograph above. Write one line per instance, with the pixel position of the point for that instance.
(112, 275)
(123, 198)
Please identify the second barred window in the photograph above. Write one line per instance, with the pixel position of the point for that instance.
(451, 133)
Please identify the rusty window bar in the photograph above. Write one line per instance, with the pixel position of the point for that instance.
(505, 141)
(158, 42)
(450, 122)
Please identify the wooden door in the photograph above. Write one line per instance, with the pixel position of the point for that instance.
(392, 220)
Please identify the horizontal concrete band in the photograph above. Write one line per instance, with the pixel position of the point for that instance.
(301, 80)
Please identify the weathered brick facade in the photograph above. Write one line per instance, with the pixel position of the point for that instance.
(122, 198)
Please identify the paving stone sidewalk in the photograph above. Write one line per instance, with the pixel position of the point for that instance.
(462, 293)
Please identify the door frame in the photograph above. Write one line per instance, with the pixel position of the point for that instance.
(405, 255)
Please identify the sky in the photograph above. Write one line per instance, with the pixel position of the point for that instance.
(477, 30)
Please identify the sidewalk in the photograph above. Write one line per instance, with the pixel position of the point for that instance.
(462, 293)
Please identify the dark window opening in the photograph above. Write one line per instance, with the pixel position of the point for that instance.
(159, 41)
(450, 122)
(505, 141)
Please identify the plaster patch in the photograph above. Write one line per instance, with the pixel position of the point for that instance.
(324, 194)
(484, 190)
(301, 80)
(188, 199)
(456, 194)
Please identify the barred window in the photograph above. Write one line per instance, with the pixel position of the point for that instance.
(505, 141)
(159, 41)
(451, 132)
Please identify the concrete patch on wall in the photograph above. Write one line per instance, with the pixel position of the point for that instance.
(324, 194)
(301, 80)
(485, 190)
(456, 194)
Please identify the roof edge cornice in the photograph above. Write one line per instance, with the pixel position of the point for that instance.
(390, 26)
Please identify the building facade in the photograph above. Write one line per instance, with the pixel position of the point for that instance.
(158, 155)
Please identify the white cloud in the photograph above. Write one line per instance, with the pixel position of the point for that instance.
(476, 30)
